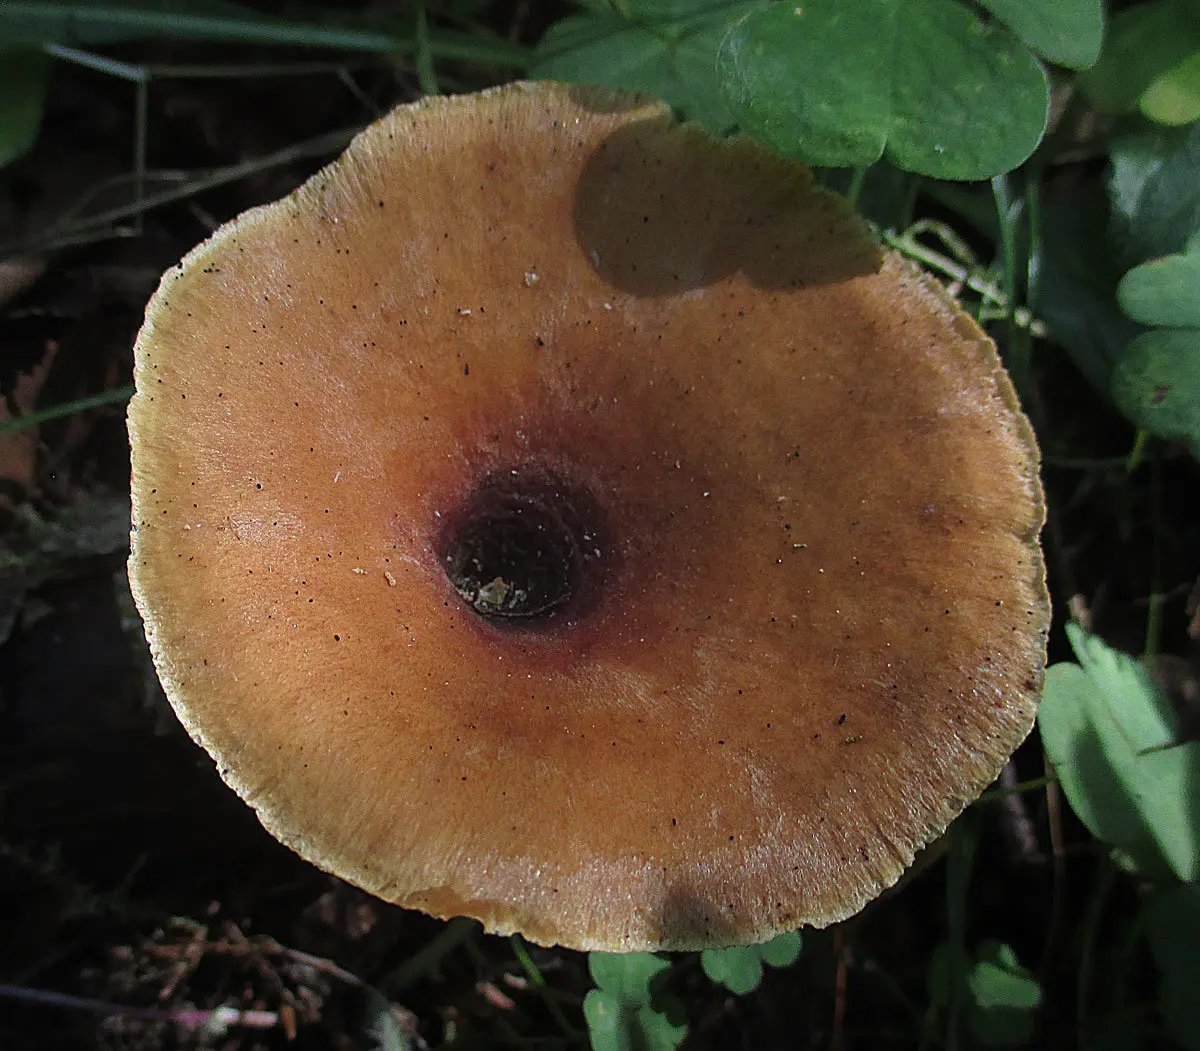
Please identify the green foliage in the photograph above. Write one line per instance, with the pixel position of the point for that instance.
(1157, 384)
(621, 1013)
(1173, 97)
(1068, 32)
(1073, 285)
(1172, 922)
(1165, 292)
(23, 76)
(1154, 192)
(665, 47)
(1110, 735)
(1002, 997)
(740, 968)
(88, 23)
(925, 83)
(1157, 381)
(1148, 60)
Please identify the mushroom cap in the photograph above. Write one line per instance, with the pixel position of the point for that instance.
(807, 619)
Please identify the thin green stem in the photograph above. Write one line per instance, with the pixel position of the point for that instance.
(857, 179)
(964, 838)
(141, 122)
(1091, 932)
(65, 20)
(1134, 459)
(1035, 784)
(1019, 345)
(539, 982)
(426, 74)
(330, 142)
(426, 960)
(67, 408)
(97, 63)
(1154, 608)
(974, 279)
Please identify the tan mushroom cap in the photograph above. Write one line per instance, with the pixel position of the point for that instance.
(809, 615)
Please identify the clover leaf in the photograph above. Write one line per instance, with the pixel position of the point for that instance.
(1110, 735)
(740, 968)
(1156, 382)
(925, 83)
(620, 1012)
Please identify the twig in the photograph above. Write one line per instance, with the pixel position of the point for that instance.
(217, 1019)
(1015, 820)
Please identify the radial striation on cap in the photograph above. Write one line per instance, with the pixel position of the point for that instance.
(554, 515)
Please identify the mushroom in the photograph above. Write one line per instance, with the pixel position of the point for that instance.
(552, 514)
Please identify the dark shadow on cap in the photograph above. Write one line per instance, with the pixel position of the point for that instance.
(662, 208)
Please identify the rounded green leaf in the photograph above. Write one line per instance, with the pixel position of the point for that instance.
(626, 975)
(1154, 192)
(739, 969)
(800, 80)
(615, 1026)
(1004, 997)
(1068, 32)
(999, 980)
(782, 950)
(1141, 42)
(606, 1022)
(969, 100)
(667, 50)
(924, 82)
(1164, 291)
(1156, 383)
(23, 78)
(1173, 97)
(1104, 725)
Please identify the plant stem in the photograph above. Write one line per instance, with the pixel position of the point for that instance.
(539, 982)
(67, 408)
(1091, 930)
(426, 75)
(423, 962)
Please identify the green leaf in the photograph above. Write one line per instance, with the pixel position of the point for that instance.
(23, 78)
(1154, 191)
(781, 951)
(619, 1014)
(1157, 384)
(1073, 285)
(1103, 724)
(1142, 42)
(1174, 96)
(739, 969)
(1172, 921)
(1165, 291)
(924, 82)
(614, 1026)
(626, 975)
(1068, 32)
(799, 79)
(1004, 997)
(667, 49)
